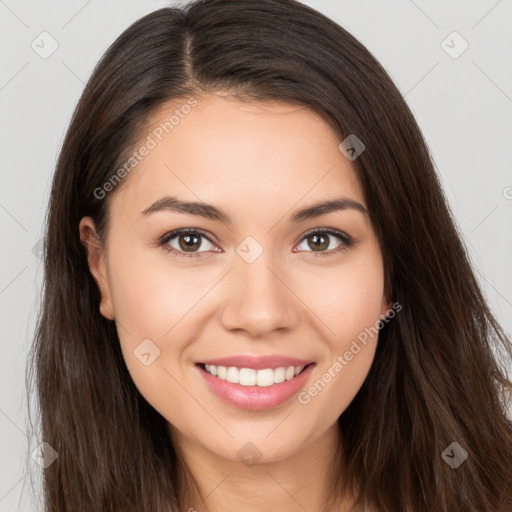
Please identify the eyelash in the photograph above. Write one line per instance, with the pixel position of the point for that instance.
(346, 241)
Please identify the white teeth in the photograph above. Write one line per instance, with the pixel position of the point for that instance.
(221, 371)
(279, 375)
(252, 377)
(232, 375)
(211, 369)
(265, 377)
(247, 377)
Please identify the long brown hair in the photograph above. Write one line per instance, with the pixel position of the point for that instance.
(435, 379)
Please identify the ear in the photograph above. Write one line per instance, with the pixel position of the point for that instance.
(96, 262)
(385, 307)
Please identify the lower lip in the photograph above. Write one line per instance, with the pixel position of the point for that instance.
(256, 398)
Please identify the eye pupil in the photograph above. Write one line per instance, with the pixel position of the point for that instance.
(316, 238)
(191, 242)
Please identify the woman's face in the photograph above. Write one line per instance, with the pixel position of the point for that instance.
(249, 286)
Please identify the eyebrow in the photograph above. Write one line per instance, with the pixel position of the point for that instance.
(212, 212)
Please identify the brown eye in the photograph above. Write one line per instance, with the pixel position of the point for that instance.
(187, 243)
(320, 243)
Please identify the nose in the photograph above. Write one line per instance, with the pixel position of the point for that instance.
(258, 299)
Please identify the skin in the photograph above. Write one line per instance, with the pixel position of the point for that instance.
(259, 162)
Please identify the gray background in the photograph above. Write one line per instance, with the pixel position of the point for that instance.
(463, 106)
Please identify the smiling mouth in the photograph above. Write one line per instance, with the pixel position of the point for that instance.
(265, 377)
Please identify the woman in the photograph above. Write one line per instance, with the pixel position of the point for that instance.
(255, 294)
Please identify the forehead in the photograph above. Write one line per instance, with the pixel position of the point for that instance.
(247, 155)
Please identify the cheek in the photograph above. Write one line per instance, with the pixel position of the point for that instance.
(150, 296)
(151, 302)
(349, 304)
(161, 302)
(346, 299)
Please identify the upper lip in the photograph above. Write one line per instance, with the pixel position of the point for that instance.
(257, 362)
